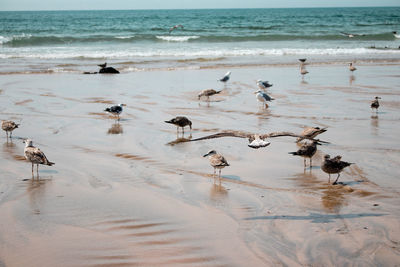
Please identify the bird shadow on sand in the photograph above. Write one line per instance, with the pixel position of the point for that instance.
(316, 217)
(179, 139)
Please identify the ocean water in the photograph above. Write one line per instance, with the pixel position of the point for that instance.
(134, 40)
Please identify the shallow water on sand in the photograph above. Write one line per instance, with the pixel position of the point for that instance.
(125, 193)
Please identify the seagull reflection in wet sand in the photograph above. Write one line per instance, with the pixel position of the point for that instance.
(255, 140)
(334, 165)
(116, 128)
(217, 161)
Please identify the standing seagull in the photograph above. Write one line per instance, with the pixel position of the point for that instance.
(208, 93)
(226, 77)
(351, 67)
(35, 156)
(375, 103)
(303, 71)
(115, 110)
(334, 165)
(263, 84)
(103, 65)
(8, 126)
(307, 151)
(263, 98)
(180, 121)
(217, 161)
(396, 35)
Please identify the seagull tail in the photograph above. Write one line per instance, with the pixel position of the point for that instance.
(50, 163)
(293, 153)
(107, 109)
(168, 121)
(217, 92)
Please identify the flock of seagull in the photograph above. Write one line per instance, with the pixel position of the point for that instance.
(217, 161)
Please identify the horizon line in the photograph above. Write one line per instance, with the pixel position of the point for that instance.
(202, 8)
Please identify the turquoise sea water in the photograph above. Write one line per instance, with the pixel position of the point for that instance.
(140, 39)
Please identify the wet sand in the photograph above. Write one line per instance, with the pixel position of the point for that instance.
(127, 194)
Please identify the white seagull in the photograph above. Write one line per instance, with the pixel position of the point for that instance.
(263, 97)
(226, 77)
(263, 84)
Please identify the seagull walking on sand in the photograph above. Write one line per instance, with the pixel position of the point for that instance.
(180, 122)
(303, 71)
(375, 103)
(115, 110)
(351, 67)
(208, 93)
(263, 98)
(334, 165)
(226, 77)
(217, 161)
(263, 84)
(9, 126)
(307, 151)
(103, 65)
(35, 156)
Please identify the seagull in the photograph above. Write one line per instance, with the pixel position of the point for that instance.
(208, 93)
(217, 161)
(175, 27)
(8, 126)
(263, 97)
(263, 84)
(115, 110)
(334, 165)
(307, 151)
(103, 65)
(226, 77)
(375, 103)
(396, 35)
(35, 155)
(351, 67)
(255, 140)
(303, 71)
(311, 132)
(180, 121)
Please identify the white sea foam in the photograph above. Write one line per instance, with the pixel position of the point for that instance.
(4, 40)
(65, 52)
(125, 37)
(177, 38)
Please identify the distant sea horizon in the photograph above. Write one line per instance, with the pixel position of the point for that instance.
(136, 40)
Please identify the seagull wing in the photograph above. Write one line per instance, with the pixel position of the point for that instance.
(239, 134)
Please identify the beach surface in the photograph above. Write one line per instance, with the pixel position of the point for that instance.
(128, 193)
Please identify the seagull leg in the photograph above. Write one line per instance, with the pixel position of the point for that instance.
(335, 182)
(310, 163)
(329, 181)
(32, 170)
(37, 171)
